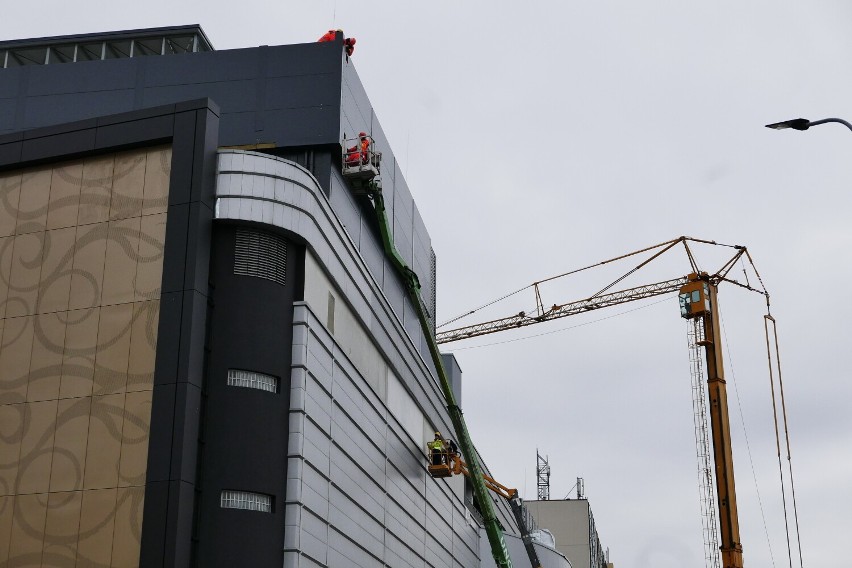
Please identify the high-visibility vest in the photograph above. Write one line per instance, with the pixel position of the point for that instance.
(436, 445)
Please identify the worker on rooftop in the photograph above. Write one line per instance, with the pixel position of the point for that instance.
(348, 43)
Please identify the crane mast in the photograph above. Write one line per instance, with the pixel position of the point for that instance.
(698, 300)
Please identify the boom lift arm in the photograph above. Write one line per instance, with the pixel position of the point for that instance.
(412, 286)
(452, 464)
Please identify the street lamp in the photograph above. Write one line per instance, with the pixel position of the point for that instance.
(804, 123)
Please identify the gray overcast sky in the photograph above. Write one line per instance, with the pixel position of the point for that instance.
(542, 136)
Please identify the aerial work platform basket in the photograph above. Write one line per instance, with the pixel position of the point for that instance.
(361, 162)
(442, 463)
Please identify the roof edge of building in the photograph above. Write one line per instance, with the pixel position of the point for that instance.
(107, 36)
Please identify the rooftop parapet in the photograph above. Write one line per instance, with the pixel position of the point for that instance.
(100, 46)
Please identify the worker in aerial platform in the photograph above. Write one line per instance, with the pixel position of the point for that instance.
(454, 449)
(348, 43)
(438, 449)
(360, 153)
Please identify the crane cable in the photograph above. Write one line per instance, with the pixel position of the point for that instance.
(745, 431)
(766, 319)
(665, 246)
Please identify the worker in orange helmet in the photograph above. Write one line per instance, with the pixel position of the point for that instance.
(354, 155)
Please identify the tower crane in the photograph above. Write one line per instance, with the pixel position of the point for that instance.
(697, 296)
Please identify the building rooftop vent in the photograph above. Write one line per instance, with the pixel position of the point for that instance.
(100, 46)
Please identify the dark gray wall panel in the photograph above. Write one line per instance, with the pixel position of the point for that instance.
(304, 126)
(10, 84)
(295, 91)
(183, 69)
(80, 77)
(236, 96)
(289, 95)
(7, 114)
(56, 109)
(305, 59)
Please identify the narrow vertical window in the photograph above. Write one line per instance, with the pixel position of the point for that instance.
(330, 316)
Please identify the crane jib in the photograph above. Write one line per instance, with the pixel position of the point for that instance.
(564, 310)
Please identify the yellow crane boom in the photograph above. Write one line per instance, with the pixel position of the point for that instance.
(564, 310)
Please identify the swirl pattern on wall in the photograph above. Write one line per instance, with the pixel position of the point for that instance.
(81, 259)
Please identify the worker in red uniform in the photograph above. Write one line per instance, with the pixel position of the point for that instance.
(330, 35)
(349, 46)
(356, 155)
(348, 43)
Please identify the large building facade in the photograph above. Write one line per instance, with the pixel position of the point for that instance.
(206, 358)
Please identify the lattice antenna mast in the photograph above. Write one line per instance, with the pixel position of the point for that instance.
(542, 473)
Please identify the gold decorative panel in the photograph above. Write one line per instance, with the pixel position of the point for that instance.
(81, 262)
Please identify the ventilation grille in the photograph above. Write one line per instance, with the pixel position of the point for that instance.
(246, 501)
(252, 380)
(262, 255)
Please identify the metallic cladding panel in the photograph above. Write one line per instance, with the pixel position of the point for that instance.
(289, 95)
(347, 209)
(409, 232)
(365, 486)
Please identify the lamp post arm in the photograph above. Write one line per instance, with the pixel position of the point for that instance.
(824, 120)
